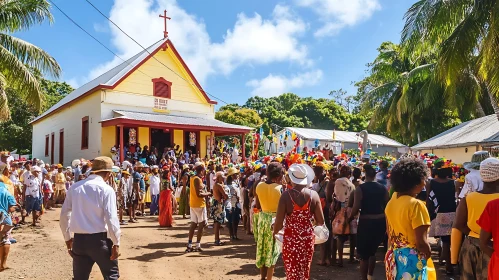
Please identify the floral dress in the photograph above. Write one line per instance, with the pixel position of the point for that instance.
(298, 245)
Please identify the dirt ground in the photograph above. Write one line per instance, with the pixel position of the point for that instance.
(150, 252)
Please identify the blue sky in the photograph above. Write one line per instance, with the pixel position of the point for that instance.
(237, 49)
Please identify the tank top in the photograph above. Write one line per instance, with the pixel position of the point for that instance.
(268, 195)
(476, 203)
(373, 198)
(195, 201)
(445, 193)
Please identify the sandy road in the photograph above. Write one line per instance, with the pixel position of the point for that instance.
(149, 252)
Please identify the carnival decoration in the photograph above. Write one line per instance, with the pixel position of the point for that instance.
(132, 136)
(192, 139)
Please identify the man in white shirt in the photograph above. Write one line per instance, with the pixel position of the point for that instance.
(154, 187)
(89, 212)
(473, 181)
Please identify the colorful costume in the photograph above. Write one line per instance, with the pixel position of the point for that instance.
(298, 245)
(165, 205)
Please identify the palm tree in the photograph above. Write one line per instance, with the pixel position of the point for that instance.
(465, 36)
(404, 100)
(19, 60)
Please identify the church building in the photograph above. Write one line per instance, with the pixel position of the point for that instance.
(152, 99)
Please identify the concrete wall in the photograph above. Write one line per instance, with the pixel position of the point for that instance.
(69, 119)
(457, 155)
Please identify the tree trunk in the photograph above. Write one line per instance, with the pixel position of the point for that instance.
(479, 110)
(493, 100)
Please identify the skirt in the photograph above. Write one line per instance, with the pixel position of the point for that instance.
(442, 224)
(267, 249)
(406, 263)
(183, 207)
(473, 261)
(165, 209)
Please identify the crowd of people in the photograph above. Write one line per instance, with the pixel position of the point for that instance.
(292, 205)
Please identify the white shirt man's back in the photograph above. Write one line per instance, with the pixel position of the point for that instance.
(90, 207)
(472, 183)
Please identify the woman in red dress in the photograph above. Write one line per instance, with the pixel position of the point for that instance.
(298, 206)
(165, 200)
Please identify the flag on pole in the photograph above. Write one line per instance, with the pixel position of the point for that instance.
(270, 132)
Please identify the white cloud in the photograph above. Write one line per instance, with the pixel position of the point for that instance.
(274, 85)
(101, 28)
(252, 41)
(338, 14)
(73, 82)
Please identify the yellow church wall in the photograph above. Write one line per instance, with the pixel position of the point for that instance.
(143, 136)
(108, 140)
(178, 138)
(202, 144)
(140, 81)
(458, 155)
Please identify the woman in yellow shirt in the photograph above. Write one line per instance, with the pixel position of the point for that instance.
(267, 195)
(473, 261)
(407, 224)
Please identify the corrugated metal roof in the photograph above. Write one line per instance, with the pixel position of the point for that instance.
(343, 136)
(478, 131)
(171, 119)
(109, 78)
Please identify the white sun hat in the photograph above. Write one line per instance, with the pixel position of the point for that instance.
(301, 174)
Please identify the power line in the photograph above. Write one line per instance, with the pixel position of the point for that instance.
(180, 76)
(83, 29)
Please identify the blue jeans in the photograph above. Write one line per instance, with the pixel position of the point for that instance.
(154, 204)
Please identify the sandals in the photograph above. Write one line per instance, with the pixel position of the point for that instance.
(219, 243)
(189, 250)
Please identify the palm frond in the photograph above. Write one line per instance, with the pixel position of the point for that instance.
(31, 55)
(457, 50)
(19, 76)
(19, 15)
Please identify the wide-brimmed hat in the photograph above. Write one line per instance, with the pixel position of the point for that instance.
(36, 169)
(139, 164)
(476, 159)
(154, 167)
(185, 166)
(232, 171)
(101, 164)
(124, 172)
(301, 174)
(75, 162)
(59, 166)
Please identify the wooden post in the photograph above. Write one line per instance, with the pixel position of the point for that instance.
(243, 145)
(122, 146)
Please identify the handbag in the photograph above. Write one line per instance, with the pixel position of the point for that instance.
(340, 223)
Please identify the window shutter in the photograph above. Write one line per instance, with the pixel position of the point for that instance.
(162, 90)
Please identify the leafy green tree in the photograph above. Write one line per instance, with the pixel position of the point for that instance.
(240, 116)
(17, 132)
(18, 57)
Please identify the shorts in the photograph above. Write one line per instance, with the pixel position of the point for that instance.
(199, 215)
(142, 196)
(32, 204)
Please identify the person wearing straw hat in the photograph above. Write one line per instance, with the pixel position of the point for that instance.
(233, 214)
(472, 181)
(89, 212)
(60, 184)
(297, 206)
(199, 215)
